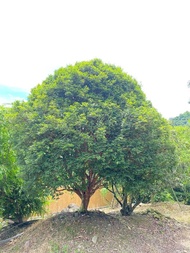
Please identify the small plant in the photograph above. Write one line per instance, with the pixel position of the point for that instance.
(55, 248)
(71, 232)
(104, 192)
(65, 249)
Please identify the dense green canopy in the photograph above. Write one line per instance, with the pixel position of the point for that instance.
(84, 121)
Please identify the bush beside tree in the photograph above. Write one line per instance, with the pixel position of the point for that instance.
(16, 201)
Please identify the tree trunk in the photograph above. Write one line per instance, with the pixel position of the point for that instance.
(90, 183)
(127, 208)
(85, 199)
(127, 211)
(19, 219)
(129, 204)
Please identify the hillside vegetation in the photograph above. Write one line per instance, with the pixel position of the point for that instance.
(181, 120)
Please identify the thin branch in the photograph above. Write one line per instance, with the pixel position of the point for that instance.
(114, 194)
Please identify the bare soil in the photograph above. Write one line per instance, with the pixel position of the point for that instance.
(157, 228)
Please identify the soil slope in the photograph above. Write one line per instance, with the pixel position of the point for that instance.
(159, 228)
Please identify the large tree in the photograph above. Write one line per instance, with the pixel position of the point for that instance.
(64, 131)
(71, 129)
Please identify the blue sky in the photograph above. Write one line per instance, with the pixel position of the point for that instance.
(10, 94)
(148, 39)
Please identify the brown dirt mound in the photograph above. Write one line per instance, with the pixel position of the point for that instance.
(143, 232)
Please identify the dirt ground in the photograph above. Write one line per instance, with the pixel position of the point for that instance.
(157, 228)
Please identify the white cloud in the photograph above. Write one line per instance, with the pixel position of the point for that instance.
(9, 100)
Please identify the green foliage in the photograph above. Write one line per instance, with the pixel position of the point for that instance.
(163, 196)
(87, 125)
(8, 169)
(16, 201)
(64, 133)
(180, 189)
(181, 120)
(181, 136)
(20, 204)
(145, 157)
(104, 192)
(182, 193)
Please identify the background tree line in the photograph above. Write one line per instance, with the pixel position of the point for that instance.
(85, 127)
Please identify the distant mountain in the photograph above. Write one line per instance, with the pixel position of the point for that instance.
(181, 120)
(10, 94)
